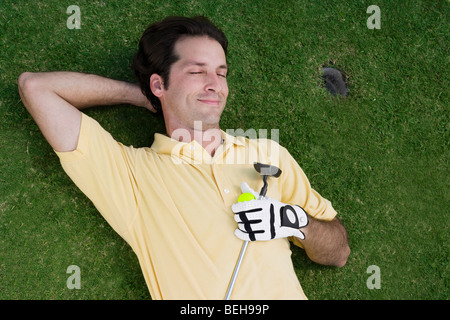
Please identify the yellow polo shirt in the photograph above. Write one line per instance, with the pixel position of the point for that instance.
(172, 204)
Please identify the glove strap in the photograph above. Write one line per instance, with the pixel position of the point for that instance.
(289, 217)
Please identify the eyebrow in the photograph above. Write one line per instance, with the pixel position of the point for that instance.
(202, 64)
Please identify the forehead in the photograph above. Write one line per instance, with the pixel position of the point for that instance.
(200, 50)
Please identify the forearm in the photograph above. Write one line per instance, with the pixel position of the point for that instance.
(54, 98)
(84, 90)
(326, 242)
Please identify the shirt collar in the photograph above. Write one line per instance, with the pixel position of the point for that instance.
(163, 144)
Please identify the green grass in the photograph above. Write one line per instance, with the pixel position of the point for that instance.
(380, 155)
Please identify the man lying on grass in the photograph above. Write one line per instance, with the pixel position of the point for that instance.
(175, 203)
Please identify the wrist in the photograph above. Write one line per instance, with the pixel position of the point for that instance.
(136, 97)
(295, 218)
(312, 228)
(131, 94)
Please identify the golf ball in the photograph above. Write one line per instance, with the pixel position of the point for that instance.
(247, 196)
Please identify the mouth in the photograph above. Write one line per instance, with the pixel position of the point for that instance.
(210, 102)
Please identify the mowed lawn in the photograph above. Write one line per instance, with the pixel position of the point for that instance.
(380, 154)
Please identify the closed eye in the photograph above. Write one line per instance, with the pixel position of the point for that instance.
(201, 72)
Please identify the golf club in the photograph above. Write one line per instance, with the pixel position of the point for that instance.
(266, 171)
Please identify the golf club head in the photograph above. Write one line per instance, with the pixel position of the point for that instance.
(267, 170)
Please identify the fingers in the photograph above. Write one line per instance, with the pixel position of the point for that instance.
(247, 218)
(150, 107)
(253, 236)
(245, 188)
(268, 219)
(297, 233)
(249, 223)
(254, 222)
(242, 235)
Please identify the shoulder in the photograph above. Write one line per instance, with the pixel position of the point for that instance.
(259, 146)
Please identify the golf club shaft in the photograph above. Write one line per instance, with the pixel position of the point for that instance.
(238, 264)
(236, 270)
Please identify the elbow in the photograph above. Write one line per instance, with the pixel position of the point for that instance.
(344, 252)
(28, 81)
(28, 86)
(338, 258)
(343, 257)
(25, 84)
(24, 80)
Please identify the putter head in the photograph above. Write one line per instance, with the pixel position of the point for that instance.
(267, 170)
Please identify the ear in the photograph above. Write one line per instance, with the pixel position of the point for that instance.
(156, 85)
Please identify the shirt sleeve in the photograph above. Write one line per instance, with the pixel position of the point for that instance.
(296, 189)
(103, 169)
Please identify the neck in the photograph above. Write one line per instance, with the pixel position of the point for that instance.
(209, 138)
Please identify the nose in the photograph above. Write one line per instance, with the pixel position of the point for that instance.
(213, 83)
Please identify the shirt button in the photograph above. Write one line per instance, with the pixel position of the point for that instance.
(226, 191)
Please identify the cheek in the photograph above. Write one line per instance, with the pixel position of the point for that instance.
(189, 86)
(224, 86)
(179, 88)
(225, 91)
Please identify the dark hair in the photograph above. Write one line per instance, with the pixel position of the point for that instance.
(156, 49)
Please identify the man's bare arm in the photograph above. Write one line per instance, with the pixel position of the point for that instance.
(54, 99)
(326, 242)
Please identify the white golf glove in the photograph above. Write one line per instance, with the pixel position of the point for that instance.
(267, 219)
